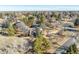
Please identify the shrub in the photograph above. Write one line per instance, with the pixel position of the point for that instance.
(11, 31)
(30, 21)
(41, 44)
(1, 15)
(72, 49)
(25, 20)
(76, 22)
(42, 19)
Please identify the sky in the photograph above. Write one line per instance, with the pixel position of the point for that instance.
(39, 8)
